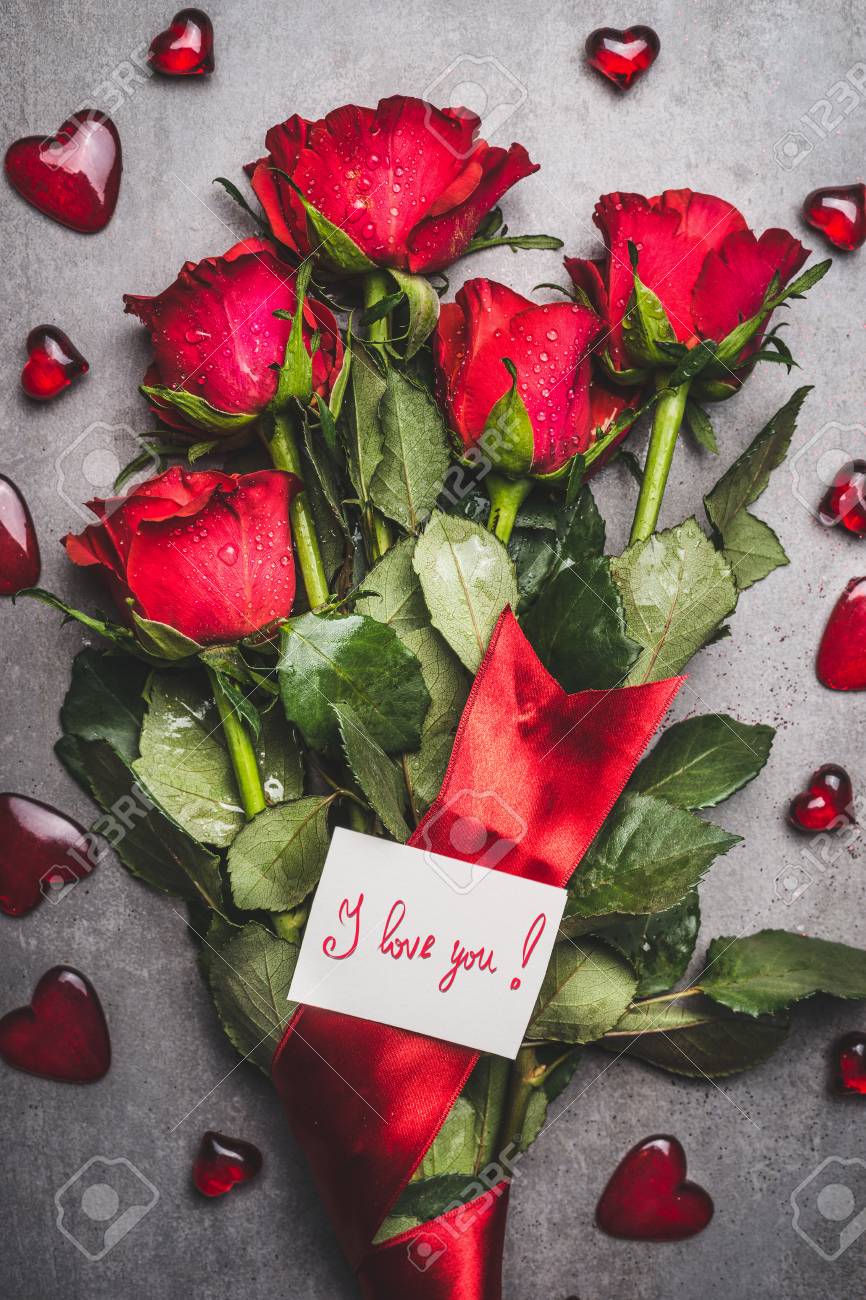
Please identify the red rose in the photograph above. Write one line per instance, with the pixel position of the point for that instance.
(208, 553)
(408, 183)
(549, 346)
(696, 253)
(215, 336)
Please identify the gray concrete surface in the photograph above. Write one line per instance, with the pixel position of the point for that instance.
(731, 81)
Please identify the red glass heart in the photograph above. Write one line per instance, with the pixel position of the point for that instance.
(52, 364)
(648, 1197)
(841, 662)
(622, 57)
(42, 854)
(222, 1162)
(840, 215)
(73, 176)
(185, 49)
(851, 1065)
(826, 803)
(62, 1034)
(19, 550)
(845, 500)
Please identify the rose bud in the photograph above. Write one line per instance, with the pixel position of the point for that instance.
(218, 345)
(206, 553)
(681, 268)
(406, 185)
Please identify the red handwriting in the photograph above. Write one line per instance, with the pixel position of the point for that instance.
(397, 946)
(345, 913)
(536, 930)
(466, 959)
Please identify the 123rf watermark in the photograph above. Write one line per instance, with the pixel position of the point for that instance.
(476, 1200)
(820, 854)
(108, 832)
(824, 117)
(101, 1203)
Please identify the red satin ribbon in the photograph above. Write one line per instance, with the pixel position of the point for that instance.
(541, 769)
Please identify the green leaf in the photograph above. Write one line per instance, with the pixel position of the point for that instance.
(377, 775)
(752, 549)
(549, 242)
(646, 857)
(578, 629)
(196, 410)
(701, 426)
(467, 1141)
(415, 455)
(319, 458)
(423, 303)
(702, 761)
(676, 590)
(508, 440)
(143, 835)
(249, 971)
(393, 596)
(364, 435)
(357, 661)
(279, 758)
(104, 700)
(560, 1066)
(766, 972)
(467, 579)
(163, 641)
(693, 1037)
(420, 1202)
(659, 946)
(184, 759)
(585, 991)
(276, 859)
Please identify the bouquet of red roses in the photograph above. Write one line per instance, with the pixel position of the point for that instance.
(459, 651)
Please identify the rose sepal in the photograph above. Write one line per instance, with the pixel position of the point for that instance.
(196, 410)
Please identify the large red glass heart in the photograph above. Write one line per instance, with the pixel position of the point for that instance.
(53, 362)
(185, 48)
(840, 215)
(19, 550)
(622, 57)
(62, 1034)
(73, 176)
(222, 1162)
(851, 1065)
(841, 662)
(648, 1197)
(42, 854)
(826, 803)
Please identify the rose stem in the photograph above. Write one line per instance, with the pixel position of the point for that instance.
(283, 446)
(241, 752)
(376, 287)
(506, 497)
(663, 439)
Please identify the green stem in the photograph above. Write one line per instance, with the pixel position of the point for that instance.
(668, 417)
(290, 925)
(525, 1075)
(241, 752)
(507, 495)
(376, 287)
(283, 446)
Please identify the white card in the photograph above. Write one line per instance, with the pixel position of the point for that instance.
(392, 937)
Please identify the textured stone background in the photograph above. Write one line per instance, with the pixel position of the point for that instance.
(731, 81)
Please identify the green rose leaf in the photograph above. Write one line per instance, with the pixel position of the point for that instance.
(702, 761)
(276, 859)
(249, 971)
(356, 661)
(659, 946)
(377, 775)
(701, 426)
(676, 589)
(105, 700)
(693, 1037)
(559, 1067)
(415, 454)
(766, 972)
(423, 304)
(279, 758)
(585, 991)
(360, 419)
(647, 856)
(467, 579)
(752, 549)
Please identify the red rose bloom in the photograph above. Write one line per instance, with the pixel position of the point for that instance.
(407, 182)
(550, 347)
(696, 253)
(215, 335)
(208, 553)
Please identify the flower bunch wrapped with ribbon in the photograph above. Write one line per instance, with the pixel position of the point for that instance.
(460, 651)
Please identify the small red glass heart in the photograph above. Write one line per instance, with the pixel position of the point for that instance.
(62, 1034)
(73, 176)
(648, 1197)
(42, 854)
(221, 1162)
(826, 803)
(19, 550)
(840, 215)
(52, 364)
(185, 48)
(841, 662)
(851, 1065)
(845, 500)
(622, 57)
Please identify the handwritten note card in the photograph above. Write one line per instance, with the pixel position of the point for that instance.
(390, 939)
